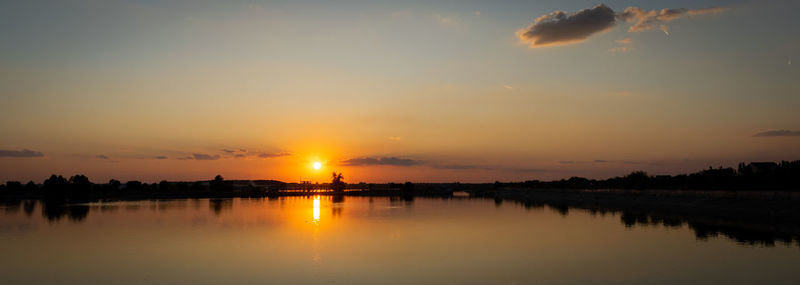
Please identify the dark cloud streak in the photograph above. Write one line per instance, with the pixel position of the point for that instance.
(778, 133)
(20, 153)
(380, 161)
(273, 155)
(202, 156)
(394, 161)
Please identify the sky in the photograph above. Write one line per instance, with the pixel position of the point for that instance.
(393, 91)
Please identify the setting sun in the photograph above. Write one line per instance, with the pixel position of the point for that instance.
(317, 165)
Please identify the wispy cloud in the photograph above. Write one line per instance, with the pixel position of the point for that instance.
(485, 167)
(20, 153)
(778, 133)
(644, 20)
(202, 156)
(446, 20)
(380, 161)
(101, 156)
(160, 157)
(235, 151)
(394, 161)
(620, 49)
(625, 41)
(273, 155)
(229, 153)
(623, 45)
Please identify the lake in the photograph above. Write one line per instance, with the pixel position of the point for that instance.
(367, 240)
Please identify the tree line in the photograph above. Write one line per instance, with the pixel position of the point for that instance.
(784, 176)
(78, 188)
(764, 176)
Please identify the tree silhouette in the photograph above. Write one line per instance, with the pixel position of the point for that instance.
(114, 184)
(55, 187)
(31, 188)
(337, 183)
(81, 188)
(219, 185)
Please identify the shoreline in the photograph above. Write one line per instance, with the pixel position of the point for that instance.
(752, 218)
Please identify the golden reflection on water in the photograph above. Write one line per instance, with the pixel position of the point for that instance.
(315, 235)
(315, 210)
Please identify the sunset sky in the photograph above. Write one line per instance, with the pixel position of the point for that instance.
(471, 91)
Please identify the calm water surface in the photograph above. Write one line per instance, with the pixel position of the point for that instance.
(362, 240)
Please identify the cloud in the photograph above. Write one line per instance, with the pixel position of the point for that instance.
(624, 45)
(272, 155)
(485, 167)
(620, 49)
(778, 133)
(560, 28)
(705, 11)
(101, 156)
(160, 157)
(20, 153)
(600, 161)
(644, 20)
(234, 151)
(446, 20)
(394, 161)
(202, 156)
(567, 162)
(380, 161)
(394, 138)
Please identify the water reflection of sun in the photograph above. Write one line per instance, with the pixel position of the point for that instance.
(315, 210)
(315, 238)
